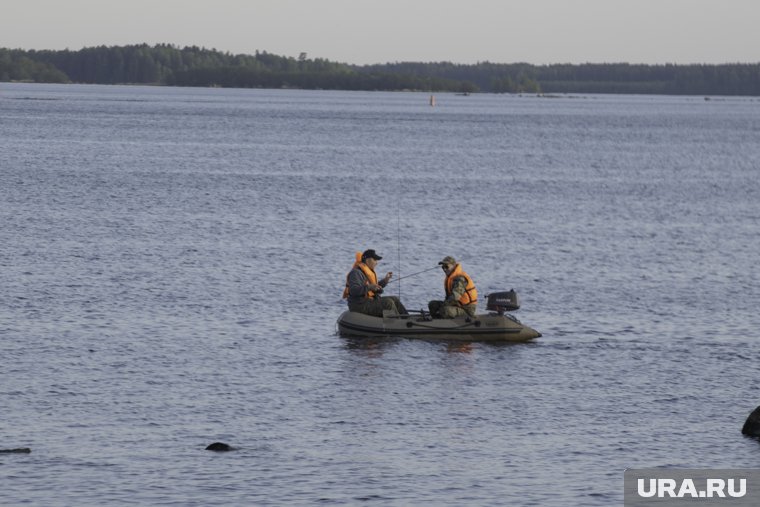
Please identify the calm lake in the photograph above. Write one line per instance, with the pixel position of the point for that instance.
(172, 260)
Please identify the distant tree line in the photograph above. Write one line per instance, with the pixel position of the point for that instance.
(17, 66)
(166, 64)
(726, 79)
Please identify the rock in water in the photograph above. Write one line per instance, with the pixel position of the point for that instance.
(220, 447)
(752, 425)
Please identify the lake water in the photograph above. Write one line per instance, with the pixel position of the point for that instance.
(171, 263)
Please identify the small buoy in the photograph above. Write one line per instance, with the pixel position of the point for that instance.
(20, 450)
(220, 447)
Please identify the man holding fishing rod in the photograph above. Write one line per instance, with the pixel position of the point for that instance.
(363, 289)
(461, 294)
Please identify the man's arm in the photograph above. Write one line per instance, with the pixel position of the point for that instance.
(458, 289)
(357, 284)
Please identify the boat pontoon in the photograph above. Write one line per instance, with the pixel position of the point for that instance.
(495, 326)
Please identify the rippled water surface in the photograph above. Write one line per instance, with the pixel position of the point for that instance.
(171, 262)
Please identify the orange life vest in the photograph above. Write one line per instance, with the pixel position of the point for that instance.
(371, 276)
(356, 263)
(470, 296)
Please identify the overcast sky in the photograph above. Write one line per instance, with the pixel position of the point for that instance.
(380, 31)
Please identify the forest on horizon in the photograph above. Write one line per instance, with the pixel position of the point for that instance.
(169, 65)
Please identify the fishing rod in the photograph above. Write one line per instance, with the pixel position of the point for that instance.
(413, 274)
(398, 232)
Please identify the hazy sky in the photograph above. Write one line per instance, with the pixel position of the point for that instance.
(379, 31)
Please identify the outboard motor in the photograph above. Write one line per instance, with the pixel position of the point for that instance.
(501, 302)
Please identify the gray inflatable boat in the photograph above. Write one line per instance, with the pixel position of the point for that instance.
(495, 326)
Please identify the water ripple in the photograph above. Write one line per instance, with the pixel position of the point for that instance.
(172, 261)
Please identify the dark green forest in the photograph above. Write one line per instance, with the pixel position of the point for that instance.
(166, 64)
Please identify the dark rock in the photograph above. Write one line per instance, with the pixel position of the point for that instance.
(751, 427)
(220, 447)
(20, 450)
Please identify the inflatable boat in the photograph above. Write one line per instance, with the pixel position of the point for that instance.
(495, 326)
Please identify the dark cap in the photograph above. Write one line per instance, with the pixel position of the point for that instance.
(370, 254)
(448, 261)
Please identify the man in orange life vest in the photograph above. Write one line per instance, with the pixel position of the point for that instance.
(461, 294)
(363, 289)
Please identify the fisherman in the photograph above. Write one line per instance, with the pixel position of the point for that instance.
(461, 294)
(363, 289)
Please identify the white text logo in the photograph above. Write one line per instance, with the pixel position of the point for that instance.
(670, 488)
